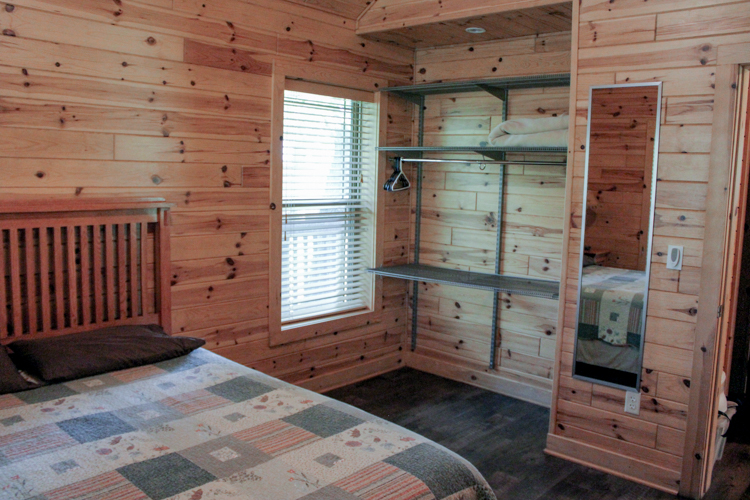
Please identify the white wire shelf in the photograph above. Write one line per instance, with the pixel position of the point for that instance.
(491, 282)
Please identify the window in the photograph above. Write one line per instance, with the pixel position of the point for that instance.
(329, 207)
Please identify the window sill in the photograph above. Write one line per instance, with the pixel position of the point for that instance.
(318, 327)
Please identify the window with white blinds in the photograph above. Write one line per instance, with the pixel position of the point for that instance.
(328, 215)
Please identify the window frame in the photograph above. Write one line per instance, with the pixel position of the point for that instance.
(340, 84)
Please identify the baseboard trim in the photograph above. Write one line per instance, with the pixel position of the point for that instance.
(628, 468)
(354, 373)
(479, 378)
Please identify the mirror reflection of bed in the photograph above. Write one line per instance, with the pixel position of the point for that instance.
(623, 129)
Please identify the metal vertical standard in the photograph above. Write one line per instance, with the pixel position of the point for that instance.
(498, 245)
(418, 222)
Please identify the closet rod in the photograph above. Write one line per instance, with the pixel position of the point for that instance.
(486, 162)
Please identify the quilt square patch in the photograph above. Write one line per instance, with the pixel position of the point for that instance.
(165, 476)
(137, 373)
(109, 485)
(46, 393)
(95, 427)
(148, 415)
(91, 384)
(193, 402)
(277, 437)
(323, 420)
(240, 389)
(432, 466)
(381, 480)
(192, 360)
(330, 492)
(9, 401)
(225, 456)
(34, 442)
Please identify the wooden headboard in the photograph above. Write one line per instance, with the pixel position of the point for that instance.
(69, 266)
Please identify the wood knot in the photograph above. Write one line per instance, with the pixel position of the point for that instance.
(151, 40)
(40, 174)
(693, 311)
(10, 8)
(8, 32)
(156, 179)
(422, 71)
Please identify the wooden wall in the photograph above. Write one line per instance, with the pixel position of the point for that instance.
(621, 156)
(677, 42)
(172, 98)
(459, 222)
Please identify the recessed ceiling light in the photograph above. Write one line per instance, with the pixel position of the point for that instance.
(475, 30)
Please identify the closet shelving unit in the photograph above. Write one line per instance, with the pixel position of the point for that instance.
(496, 283)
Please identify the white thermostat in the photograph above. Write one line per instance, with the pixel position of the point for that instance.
(674, 257)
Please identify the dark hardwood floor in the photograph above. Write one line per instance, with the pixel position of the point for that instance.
(504, 438)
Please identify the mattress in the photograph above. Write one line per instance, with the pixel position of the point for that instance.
(201, 427)
(611, 305)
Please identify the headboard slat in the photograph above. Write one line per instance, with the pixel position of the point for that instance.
(15, 282)
(144, 266)
(73, 297)
(3, 293)
(109, 272)
(97, 272)
(58, 287)
(85, 249)
(44, 260)
(30, 279)
(74, 270)
(133, 267)
(122, 264)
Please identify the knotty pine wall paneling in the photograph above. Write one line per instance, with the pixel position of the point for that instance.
(172, 98)
(459, 221)
(677, 42)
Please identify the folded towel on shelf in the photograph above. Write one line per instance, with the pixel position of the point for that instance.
(549, 139)
(529, 126)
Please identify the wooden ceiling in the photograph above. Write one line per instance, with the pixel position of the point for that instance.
(532, 21)
(349, 9)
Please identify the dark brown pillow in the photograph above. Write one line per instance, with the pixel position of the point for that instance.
(79, 355)
(10, 379)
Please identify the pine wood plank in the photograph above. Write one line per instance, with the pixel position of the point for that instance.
(102, 92)
(34, 24)
(55, 173)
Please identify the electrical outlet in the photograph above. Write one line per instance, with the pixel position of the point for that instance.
(632, 402)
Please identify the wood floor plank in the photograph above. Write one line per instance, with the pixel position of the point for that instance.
(505, 439)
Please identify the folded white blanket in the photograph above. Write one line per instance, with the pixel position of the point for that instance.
(529, 126)
(549, 139)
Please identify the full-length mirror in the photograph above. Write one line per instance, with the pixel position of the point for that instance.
(619, 192)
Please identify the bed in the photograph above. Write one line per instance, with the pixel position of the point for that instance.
(610, 317)
(192, 427)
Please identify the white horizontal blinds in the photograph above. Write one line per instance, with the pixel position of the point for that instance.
(328, 205)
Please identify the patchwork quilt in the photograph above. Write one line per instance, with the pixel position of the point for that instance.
(612, 305)
(201, 427)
